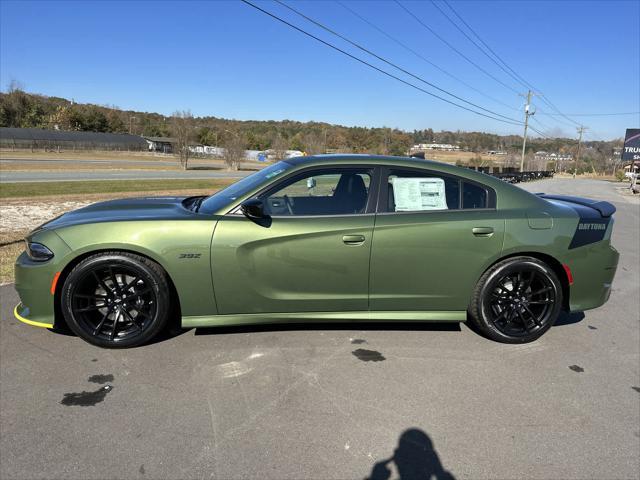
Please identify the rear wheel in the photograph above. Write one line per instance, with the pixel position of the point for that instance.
(516, 300)
(116, 299)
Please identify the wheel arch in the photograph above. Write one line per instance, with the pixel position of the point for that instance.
(553, 263)
(59, 320)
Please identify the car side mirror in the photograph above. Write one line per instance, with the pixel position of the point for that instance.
(253, 209)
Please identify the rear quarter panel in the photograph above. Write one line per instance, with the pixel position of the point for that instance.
(592, 266)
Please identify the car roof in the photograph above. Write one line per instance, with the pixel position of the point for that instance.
(351, 159)
(336, 158)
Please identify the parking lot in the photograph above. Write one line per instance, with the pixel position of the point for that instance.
(336, 401)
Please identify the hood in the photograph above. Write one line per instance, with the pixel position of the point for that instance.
(127, 209)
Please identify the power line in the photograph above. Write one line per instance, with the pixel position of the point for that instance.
(580, 131)
(384, 72)
(380, 70)
(527, 114)
(548, 102)
(406, 47)
(593, 114)
(388, 62)
(543, 125)
(544, 99)
(543, 135)
(558, 118)
(521, 80)
(476, 44)
(415, 17)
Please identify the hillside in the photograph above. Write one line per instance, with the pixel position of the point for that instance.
(22, 109)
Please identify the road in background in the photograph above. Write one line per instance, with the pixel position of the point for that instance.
(60, 169)
(118, 163)
(75, 175)
(335, 402)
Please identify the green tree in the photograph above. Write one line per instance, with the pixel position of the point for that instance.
(296, 143)
(207, 136)
(95, 120)
(115, 122)
(182, 131)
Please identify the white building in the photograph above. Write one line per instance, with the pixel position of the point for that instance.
(434, 146)
(556, 157)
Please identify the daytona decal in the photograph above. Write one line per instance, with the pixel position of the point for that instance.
(589, 231)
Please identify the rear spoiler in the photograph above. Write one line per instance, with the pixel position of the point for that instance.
(605, 209)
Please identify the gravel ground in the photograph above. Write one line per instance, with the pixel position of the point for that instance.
(20, 216)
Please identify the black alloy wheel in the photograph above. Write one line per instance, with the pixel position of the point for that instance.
(116, 299)
(517, 300)
(521, 302)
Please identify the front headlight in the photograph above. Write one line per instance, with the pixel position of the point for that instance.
(38, 252)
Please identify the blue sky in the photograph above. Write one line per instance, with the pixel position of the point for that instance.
(226, 59)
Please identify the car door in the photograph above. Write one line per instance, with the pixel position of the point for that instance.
(311, 255)
(434, 235)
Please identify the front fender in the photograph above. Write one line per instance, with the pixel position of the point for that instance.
(182, 248)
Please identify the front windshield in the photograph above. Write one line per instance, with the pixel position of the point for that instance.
(227, 195)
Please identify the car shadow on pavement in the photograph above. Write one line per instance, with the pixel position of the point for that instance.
(280, 327)
(569, 318)
(414, 458)
(565, 318)
(172, 330)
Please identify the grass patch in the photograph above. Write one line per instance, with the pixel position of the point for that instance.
(36, 189)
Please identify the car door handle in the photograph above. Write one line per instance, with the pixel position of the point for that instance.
(482, 231)
(353, 239)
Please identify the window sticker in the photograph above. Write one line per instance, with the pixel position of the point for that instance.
(418, 194)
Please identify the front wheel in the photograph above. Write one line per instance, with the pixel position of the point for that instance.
(116, 299)
(516, 300)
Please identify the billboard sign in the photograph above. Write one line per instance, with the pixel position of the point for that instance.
(631, 150)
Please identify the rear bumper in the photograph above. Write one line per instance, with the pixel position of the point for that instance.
(594, 268)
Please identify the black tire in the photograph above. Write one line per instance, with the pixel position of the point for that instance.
(516, 300)
(116, 299)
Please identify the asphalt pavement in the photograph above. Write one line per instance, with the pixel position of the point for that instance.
(8, 176)
(335, 402)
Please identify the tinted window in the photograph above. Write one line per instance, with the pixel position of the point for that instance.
(474, 196)
(410, 191)
(326, 192)
(244, 186)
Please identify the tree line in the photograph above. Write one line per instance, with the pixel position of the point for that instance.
(27, 110)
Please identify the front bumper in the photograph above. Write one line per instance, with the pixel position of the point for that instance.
(33, 282)
(22, 313)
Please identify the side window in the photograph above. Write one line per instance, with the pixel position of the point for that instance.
(474, 196)
(325, 192)
(412, 191)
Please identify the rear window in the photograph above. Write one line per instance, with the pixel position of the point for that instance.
(474, 196)
(411, 191)
(419, 191)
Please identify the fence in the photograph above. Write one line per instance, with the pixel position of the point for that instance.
(58, 140)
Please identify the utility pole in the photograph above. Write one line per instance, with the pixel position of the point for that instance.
(527, 114)
(575, 166)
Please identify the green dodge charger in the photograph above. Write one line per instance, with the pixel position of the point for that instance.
(326, 238)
